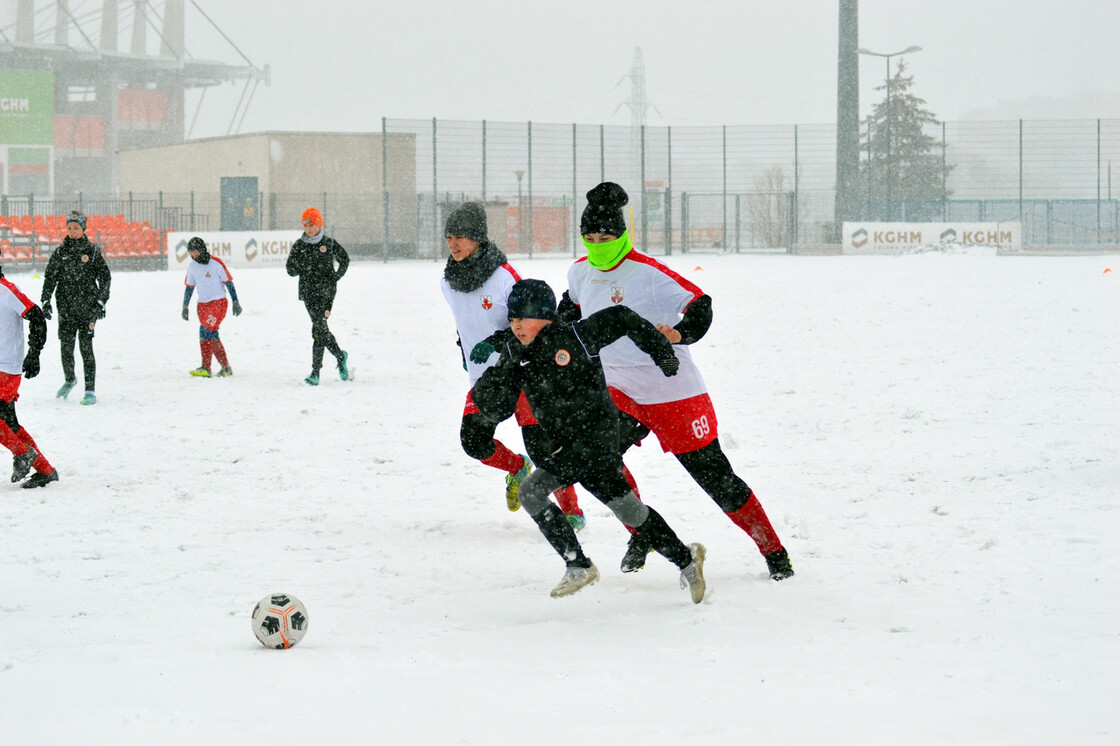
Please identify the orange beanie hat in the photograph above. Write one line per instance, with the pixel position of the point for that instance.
(313, 216)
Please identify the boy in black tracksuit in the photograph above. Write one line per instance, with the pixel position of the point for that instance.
(313, 259)
(557, 366)
(78, 276)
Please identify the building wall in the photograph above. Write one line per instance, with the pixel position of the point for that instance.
(339, 173)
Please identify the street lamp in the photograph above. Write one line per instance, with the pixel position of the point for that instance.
(519, 174)
(890, 113)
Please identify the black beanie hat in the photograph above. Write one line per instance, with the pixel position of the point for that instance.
(604, 210)
(467, 220)
(531, 299)
(197, 244)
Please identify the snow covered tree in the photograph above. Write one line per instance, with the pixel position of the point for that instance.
(905, 161)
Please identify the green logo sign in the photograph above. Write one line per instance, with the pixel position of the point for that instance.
(26, 108)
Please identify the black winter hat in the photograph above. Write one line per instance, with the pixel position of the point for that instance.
(531, 299)
(467, 220)
(197, 244)
(603, 213)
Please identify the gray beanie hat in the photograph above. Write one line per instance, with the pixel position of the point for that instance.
(467, 220)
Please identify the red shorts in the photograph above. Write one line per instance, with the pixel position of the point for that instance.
(681, 426)
(9, 386)
(522, 414)
(211, 313)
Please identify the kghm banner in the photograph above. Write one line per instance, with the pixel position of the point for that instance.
(898, 238)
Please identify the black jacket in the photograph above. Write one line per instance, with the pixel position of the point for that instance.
(314, 264)
(562, 378)
(78, 276)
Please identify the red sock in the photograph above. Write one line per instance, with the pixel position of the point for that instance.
(752, 519)
(566, 499)
(40, 464)
(504, 459)
(220, 353)
(207, 352)
(631, 481)
(9, 440)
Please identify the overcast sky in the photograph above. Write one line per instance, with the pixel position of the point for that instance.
(340, 65)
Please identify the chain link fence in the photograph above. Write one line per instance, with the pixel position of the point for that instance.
(733, 188)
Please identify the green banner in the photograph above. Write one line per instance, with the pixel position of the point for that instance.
(26, 108)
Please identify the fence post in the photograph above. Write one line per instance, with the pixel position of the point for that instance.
(723, 242)
(575, 197)
(192, 209)
(31, 204)
(435, 193)
(1020, 173)
(944, 172)
(669, 197)
(483, 161)
(530, 165)
(796, 238)
(602, 156)
(684, 222)
(738, 229)
(1098, 181)
(642, 155)
(384, 193)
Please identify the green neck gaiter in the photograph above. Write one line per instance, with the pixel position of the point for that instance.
(604, 256)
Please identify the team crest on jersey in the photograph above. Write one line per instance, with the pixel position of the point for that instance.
(563, 357)
(616, 294)
(487, 303)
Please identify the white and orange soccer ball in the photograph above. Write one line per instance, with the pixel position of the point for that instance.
(279, 620)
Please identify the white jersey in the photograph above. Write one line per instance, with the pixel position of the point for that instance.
(480, 313)
(208, 279)
(657, 294)
(13, 306)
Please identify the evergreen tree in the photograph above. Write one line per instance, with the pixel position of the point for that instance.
(913, 169)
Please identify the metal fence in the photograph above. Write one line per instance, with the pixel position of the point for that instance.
(732, 188)
(754, 187)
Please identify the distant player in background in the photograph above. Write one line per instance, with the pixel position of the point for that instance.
(678, 410)
(320, 262)
(476, 282)
(14, 308)
(212, 278)
(78, 272)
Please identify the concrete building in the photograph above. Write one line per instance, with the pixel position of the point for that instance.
(365, 185)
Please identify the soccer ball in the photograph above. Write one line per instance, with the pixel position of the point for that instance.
(279, 620)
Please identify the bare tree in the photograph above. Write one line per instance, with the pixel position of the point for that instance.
(768, 209)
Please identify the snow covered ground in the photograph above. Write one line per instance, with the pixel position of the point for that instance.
(935, 438)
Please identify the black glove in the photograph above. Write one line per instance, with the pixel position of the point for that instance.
(31, 365)
(186, 313)
(481, 352)
(669, 365)
(99, 312)
(47, 310)
(236, 308)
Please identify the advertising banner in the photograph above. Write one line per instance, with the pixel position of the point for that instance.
(26, 108)
(901, 238)
(238, 249)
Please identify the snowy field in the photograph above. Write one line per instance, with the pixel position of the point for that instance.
(936, 439)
